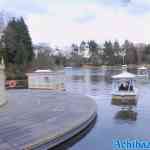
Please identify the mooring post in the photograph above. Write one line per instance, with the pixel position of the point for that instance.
(3, 99)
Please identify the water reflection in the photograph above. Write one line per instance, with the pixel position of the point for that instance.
(95, 78)
(78, 78)
(127, 114)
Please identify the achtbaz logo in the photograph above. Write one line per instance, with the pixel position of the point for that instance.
(130, 144)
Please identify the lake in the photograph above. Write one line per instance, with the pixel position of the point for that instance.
(113, 122)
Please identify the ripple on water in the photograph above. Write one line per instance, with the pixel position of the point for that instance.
(112, 122)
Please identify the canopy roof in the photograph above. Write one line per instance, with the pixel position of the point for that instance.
(142, 68)
(124, 75)
(43, 71)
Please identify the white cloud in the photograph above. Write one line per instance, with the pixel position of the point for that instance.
(59, 26)
(63, 22)
(23, 7)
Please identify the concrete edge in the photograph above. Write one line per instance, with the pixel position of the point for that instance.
(3, 103)
(48, 143)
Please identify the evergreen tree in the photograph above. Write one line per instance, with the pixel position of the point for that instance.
(116, 47)
(108, 53)
(131, 52)
(146, 57)
(116, 50)
(94, 52)
(18, 43)
(93, 47)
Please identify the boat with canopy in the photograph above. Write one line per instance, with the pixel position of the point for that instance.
(142, 73)
(124, 88)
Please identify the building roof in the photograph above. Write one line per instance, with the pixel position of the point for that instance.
(124, 75)
(43, 70)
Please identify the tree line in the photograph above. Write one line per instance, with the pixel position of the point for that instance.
(19, 53)
(110, 53)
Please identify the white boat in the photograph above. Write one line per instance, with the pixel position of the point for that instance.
(68, 67)
(142, 73)
(124, 89)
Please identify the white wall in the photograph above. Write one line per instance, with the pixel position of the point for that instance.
(54, 80)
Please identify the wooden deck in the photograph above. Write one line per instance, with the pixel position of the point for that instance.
(33, 118)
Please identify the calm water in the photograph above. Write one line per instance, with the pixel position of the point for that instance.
(113, 122)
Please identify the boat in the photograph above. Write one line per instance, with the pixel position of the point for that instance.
(124, 90)
(68, 67)
(142, 73)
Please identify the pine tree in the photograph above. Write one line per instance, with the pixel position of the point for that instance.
(131, 53)
(108, 53)
(18, 43)
(116, 50)
(94, 53)
(18, 49)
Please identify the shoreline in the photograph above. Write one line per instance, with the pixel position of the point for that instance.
(130, 66)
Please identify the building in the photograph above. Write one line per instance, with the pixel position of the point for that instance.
(85, 51)
(46, 79)
(42, 48)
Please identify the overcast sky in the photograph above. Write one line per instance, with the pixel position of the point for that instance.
(61, 22)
